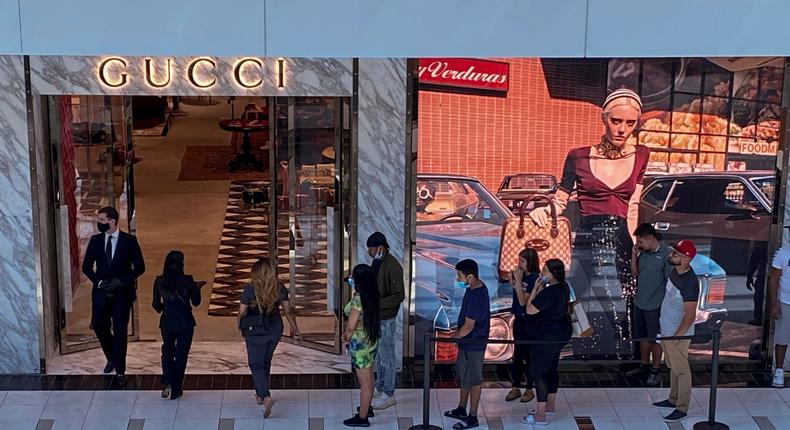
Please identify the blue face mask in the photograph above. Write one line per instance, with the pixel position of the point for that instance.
(459, 284)
(351, 283)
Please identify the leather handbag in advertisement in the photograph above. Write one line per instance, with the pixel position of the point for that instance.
(521, 232)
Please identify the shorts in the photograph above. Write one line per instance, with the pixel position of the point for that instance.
(470, 368)
(782, 326)
(647, 323)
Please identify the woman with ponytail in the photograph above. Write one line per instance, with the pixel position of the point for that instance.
(361, 337)
(174, 295)
(262, 326)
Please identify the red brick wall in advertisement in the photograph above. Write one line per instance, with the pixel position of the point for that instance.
(551, 106)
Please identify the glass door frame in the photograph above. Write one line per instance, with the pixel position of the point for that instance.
(341, 232)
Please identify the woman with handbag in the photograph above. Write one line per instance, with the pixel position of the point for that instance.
(522, 280)
(174, 295)
(361, 337)
(548, 306)
(607, 178)
(262, 326)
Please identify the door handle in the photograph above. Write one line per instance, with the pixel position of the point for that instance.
(661, 226)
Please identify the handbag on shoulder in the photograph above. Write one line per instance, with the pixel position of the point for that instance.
(521, 231)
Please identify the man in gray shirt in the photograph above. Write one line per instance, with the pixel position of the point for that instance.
(650, 266)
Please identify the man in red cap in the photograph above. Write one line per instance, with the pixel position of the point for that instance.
(678, 311)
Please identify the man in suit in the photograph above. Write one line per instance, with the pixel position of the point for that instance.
(113, 262)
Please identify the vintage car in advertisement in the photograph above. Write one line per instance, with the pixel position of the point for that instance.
(458, 218)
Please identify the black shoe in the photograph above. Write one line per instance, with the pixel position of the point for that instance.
(675, 416)
(108, 368)
(458, 413)
(175, 395)
(639, 371)
(654, 380)
(664, 404)
(356, 421)
(121, 379)
(370, 412)
(469, 422)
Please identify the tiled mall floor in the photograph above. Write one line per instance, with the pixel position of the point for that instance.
(615, 408)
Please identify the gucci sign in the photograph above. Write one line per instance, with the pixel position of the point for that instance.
(201, 73)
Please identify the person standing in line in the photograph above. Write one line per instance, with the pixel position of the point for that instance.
(174, 294)
(650, 265)
(678, 311)
(113, 262)
(779, 306)
(473, 325)
(548, 305)
(261, 326)
(522, 280)
(361, 337)
(389, 277)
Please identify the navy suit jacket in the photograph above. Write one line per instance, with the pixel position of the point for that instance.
(126, 266)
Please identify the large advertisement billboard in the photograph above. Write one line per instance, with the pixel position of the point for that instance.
(698, 165)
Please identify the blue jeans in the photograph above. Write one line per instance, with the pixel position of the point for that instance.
(386, 367)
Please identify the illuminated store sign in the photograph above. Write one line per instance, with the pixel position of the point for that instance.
(201, 73)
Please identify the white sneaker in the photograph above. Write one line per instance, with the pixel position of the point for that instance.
(383, 402)
(779, 378)
(377, 394)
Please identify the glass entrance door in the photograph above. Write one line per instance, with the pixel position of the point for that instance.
(91, 148)
(311, 241)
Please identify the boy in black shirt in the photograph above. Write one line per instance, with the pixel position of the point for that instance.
(473, 324)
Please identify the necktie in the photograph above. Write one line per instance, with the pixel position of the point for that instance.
(108, 251)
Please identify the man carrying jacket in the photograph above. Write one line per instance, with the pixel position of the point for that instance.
(389, 277)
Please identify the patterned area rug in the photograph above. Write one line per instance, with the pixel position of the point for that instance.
(245, 239)
(210, 163)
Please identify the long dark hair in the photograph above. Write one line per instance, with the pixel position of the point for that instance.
(529, 254)
(365, 284)
(172, 273)
(557, 269)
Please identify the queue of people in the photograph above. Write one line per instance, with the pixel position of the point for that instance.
(665, 306)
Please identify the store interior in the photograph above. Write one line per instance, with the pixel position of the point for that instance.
(183, 176)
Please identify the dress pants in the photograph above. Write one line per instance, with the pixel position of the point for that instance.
(110, 322)
(175, 352)
(260, 351)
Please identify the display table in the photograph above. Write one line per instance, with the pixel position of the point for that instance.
(245, 127)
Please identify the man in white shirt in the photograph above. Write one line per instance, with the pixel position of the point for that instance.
(779, 306)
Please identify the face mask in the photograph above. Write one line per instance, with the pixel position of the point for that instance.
(351, 283)
(103, 226)
(378, 255)
(459, 284)
(545, 280)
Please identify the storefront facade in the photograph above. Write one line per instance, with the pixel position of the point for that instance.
(34, 266)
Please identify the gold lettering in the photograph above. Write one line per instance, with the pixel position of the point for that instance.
(103, 76)
(191, 73)
(237, 73)
(149, 75)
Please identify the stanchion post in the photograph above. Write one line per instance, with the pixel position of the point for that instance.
(426, 387)
(712, 424)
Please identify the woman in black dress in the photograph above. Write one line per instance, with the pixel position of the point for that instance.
(548, 307)
(174, 296)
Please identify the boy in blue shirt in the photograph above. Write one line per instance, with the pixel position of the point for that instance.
(473, 324)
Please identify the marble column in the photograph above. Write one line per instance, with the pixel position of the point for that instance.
(382, 159)
(19, 324)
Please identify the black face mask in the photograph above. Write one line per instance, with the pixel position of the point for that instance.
(103, 226)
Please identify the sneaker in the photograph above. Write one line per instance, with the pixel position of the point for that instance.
(654, 380)
(377, 393)
(458, 413)
(383, 402)
(166, 392)
(370, 412)
(675, 416)
(664, 404)
(356, 421)
(513, 394)
(469, 422)
(639, 371)
(528, 396)
(779, 378)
